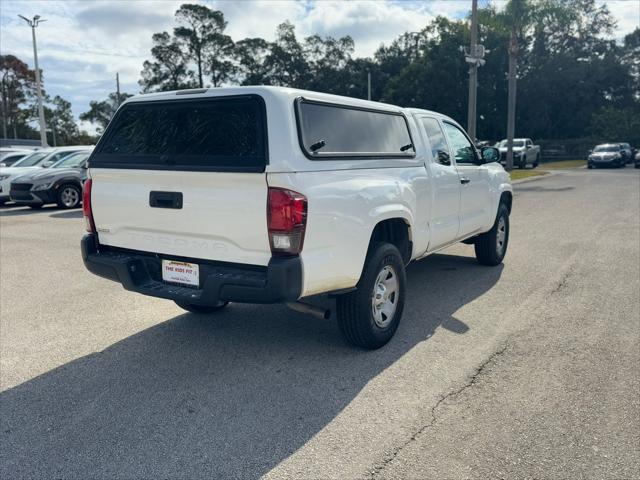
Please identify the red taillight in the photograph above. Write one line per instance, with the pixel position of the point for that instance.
(86, 207)
(286, 220)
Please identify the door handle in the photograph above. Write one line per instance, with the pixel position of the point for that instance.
(165, 200)
(464, 180)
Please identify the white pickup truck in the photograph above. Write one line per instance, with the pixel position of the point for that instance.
(268, 195)
(524, 152)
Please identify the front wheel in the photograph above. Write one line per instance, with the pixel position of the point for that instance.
(69, 196)
(491, 247)
(369, 316)
(201, 309)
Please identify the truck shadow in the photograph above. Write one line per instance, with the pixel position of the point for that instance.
(223, 396)
(13, 210)
(77, 213)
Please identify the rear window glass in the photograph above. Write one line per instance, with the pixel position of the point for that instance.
(327, 130)
(204, 134)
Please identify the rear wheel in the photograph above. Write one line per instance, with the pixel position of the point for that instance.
(523, 163)
(201, 309)
(491, 247)
(69, 196)
(369, 316)
(536, 162)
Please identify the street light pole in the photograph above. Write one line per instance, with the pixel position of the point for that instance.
(473, 73)
(33, 23)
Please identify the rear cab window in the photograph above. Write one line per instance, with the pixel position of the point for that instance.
(332, 131)
(203, 134)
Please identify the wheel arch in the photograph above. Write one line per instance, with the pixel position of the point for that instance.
(395, 230)
(506, 197)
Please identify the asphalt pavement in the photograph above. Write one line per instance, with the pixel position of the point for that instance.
(525, 370)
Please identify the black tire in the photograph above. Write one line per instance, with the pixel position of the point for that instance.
(537, 162)
(69, 196)
(201, 309)
(491, 247)
(355, 310)
(637, 165)
(523, 163)
(589, 166)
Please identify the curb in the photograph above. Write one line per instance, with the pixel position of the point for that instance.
(533, 179)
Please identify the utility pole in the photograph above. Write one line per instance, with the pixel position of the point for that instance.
(53, 132)
(475, 58)
(511, 101)
(43, 127)
(368, 84)
(117, 90)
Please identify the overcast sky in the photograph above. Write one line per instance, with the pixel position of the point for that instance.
(83, 44)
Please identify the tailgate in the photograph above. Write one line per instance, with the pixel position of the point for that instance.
(223, 214)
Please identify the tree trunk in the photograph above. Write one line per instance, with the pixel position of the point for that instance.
(200, 70)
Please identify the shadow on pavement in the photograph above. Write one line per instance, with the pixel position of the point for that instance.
(227, 395)
(18, 210)
(67, 214)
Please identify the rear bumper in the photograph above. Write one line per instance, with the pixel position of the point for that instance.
(280, 281)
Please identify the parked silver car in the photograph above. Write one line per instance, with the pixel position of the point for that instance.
(61, 183)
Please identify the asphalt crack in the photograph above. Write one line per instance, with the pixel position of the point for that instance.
(471, 381)
(562, 283)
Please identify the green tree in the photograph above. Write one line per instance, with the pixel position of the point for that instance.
(17, 83)
(250, 55)
(220, 59)
(286, 63)
(100, 112)
(616, 125)
(169, 69)
(327, 60)
(201, 35)
(60, 120)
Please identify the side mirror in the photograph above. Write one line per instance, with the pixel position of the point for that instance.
(490, 154)
(443, 157)
(47, 164)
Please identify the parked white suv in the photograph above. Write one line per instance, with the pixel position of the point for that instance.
(267, 194)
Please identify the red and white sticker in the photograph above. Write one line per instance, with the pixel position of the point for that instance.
(180, 272)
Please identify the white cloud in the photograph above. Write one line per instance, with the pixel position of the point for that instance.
(626, 13)
(83, 44)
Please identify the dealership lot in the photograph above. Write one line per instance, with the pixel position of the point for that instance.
(528, 369)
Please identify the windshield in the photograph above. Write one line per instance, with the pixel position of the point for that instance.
(31, 160)
(516, 143)
(6, 153)
(72, 161)
(606, 148)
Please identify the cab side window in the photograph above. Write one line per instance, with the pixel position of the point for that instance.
(463, 150)
(439, 148)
